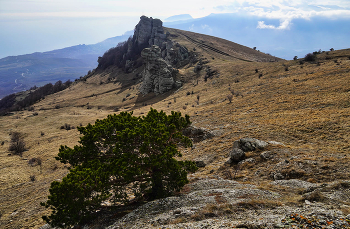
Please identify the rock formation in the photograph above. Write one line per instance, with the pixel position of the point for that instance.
(150, 31)
(160, 58)
(158, 75)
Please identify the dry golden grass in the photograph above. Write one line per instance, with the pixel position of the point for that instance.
(307, 108)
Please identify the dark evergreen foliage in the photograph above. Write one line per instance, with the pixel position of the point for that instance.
(120, 158)
(8, 103)
(310, 57)
(127, 50)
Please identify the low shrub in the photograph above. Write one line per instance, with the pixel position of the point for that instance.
(310, 57)
(32, 178)
(67, 127)
(34, 161)
(17, 145)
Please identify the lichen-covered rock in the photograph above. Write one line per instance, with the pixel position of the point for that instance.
(249, 144)
(266, 155)
(158, 75)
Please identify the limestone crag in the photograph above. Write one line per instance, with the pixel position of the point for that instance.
(160, 56)
(150, 31)
(158, 75)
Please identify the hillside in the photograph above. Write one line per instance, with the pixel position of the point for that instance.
(284, 39)
(302, 108)
(19, 73)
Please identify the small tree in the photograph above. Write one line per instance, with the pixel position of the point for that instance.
(310, 57)
(17, 145)
(119, 157)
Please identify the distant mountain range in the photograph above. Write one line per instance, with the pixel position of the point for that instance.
(18, 73)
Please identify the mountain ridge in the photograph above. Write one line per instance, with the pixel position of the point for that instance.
(18, 73)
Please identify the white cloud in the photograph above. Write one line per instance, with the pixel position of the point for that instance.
(286, 11)
(280, 9)
(285, 24)
(262, 25)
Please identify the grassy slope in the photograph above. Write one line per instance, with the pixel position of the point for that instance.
(307, 108)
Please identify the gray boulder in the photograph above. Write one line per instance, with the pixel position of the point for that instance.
(249, 144)
(266, 155)
(236, 155)
(200, 164)
(197, 134)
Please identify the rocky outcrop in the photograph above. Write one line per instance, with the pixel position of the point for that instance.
(161, 56)
(219, 203)
(158, 75)
(150, 31)
(237, 154)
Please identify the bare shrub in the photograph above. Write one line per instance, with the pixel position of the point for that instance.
(34, 161)
(229, 97)
(17, 145)
(66, 127)
(184, 107)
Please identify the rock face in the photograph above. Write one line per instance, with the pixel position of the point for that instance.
(160, 58)
(150, 31)
(158, 75)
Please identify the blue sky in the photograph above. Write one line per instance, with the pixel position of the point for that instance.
(27, 26)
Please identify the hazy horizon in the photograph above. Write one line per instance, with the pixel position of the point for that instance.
(40, 25)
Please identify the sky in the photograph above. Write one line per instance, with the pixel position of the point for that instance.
(28, 26)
